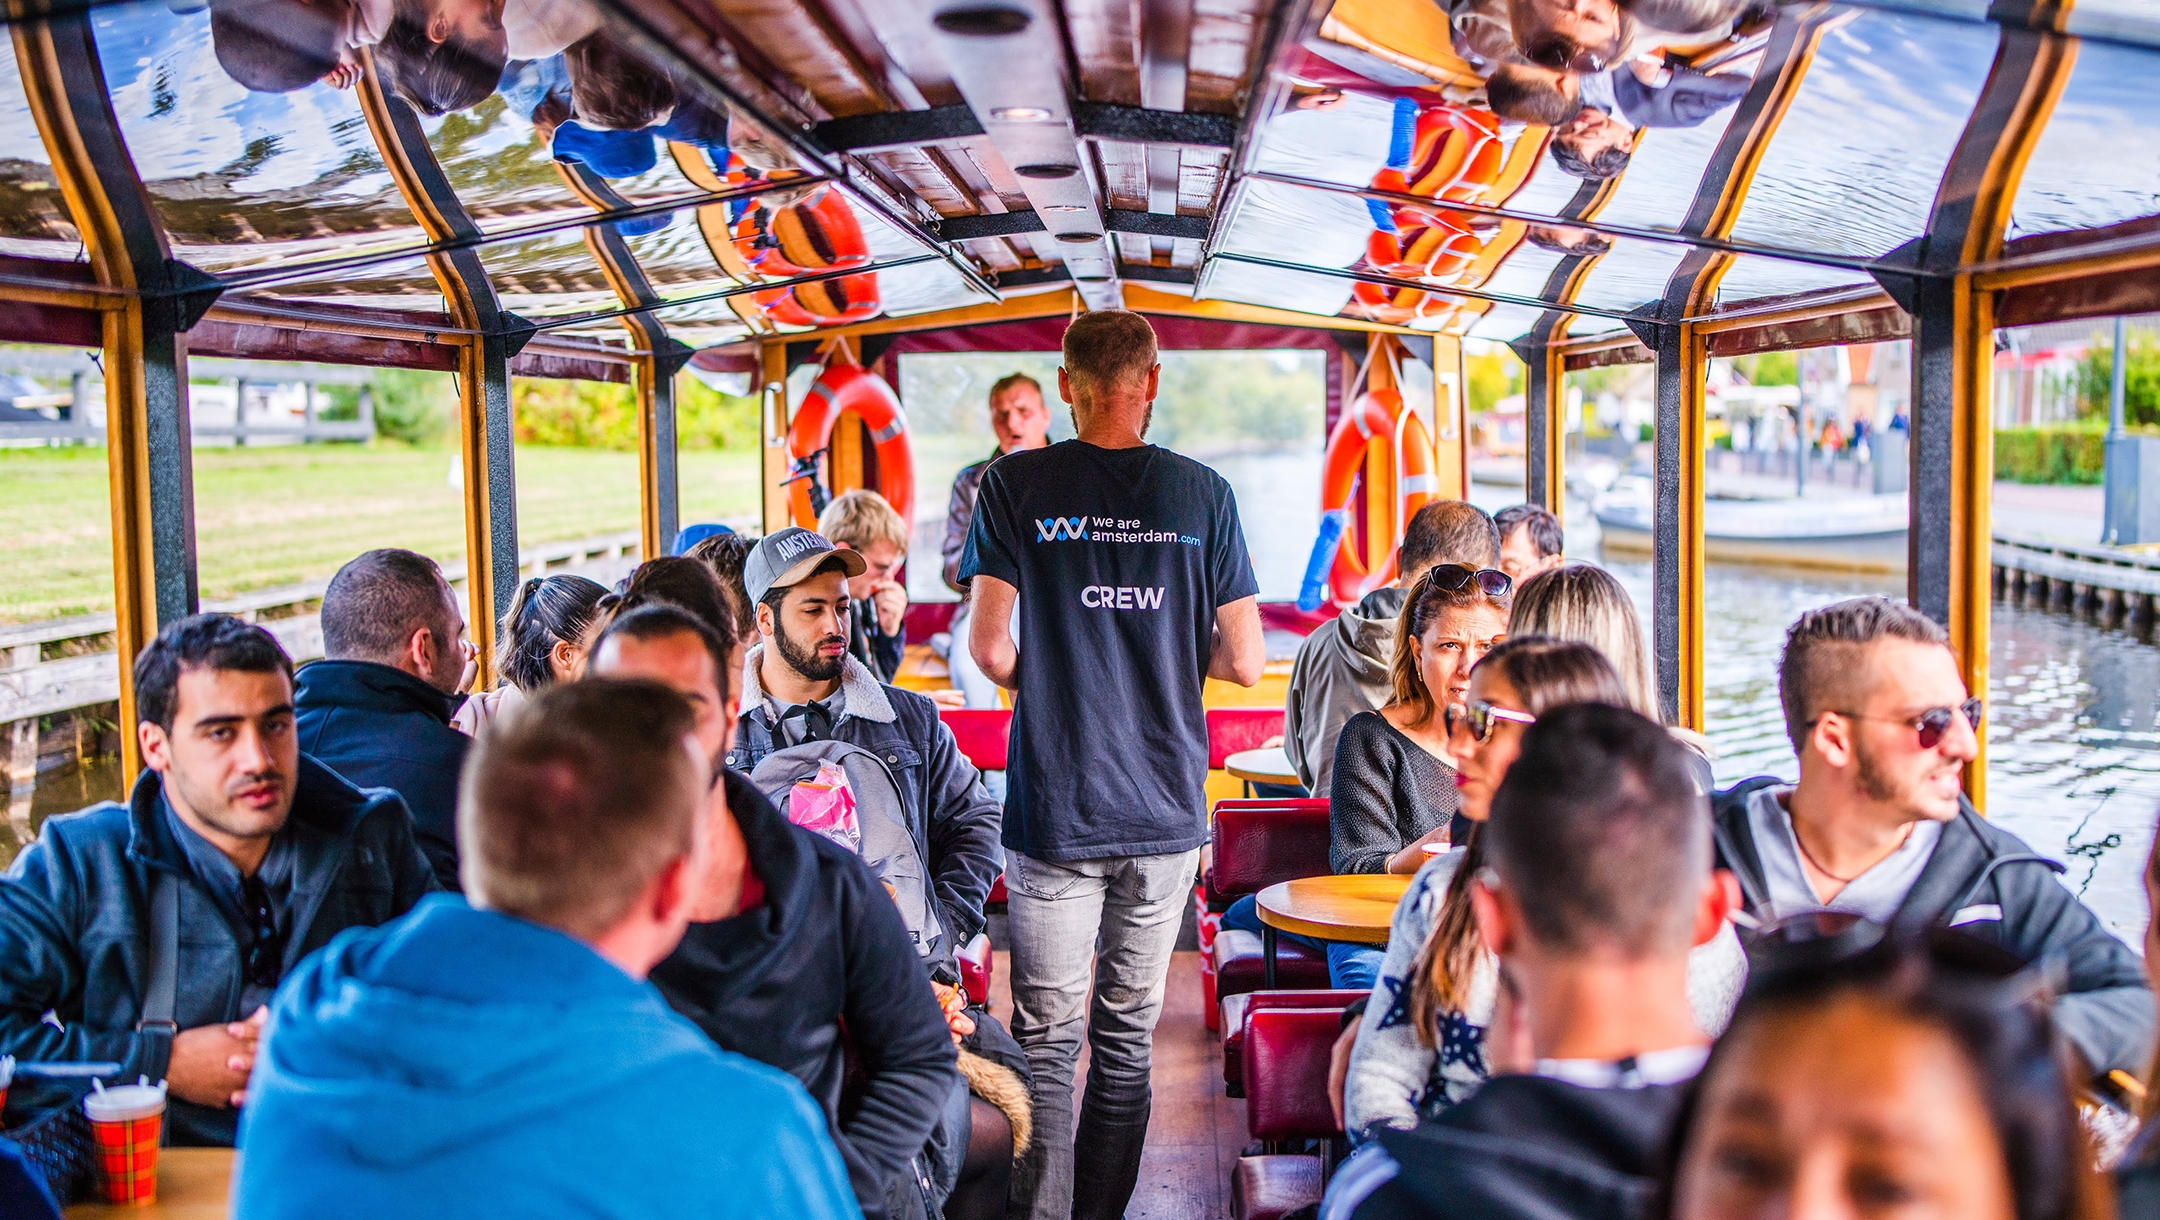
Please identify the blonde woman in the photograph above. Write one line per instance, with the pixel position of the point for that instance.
(1581, 601)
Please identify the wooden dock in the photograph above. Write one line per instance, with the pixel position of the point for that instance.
(2115, 582)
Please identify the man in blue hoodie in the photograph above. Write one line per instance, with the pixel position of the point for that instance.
(377, 710)
(507, 1057)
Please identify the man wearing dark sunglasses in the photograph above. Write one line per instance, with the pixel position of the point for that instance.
(1878, 826)
(235, 856)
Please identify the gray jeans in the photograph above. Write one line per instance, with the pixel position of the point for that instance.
(1121, 917)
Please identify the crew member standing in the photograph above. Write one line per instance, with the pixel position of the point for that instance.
(1130, 569)
(1020, 421)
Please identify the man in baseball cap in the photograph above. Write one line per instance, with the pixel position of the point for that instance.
(785, 558)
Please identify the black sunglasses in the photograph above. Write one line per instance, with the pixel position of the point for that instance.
(1478, 719)
(1932, 723)
(1455, 577)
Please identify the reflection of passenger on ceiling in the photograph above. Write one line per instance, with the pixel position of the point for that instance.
(607, 111)
(1568, 239)
(439, 55)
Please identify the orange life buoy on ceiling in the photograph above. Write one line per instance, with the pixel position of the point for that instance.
(847, 389)
(1377, 417)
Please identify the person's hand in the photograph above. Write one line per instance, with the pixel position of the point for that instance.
(1338, 1068)
(1413, 855)
(954, 1004)
(890, 598)
(1275, 741)
(210, 1063)
(345, 75)
(948, 698)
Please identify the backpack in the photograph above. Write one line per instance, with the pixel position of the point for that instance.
(887, 846)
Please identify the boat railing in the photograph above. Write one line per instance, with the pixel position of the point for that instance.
(49, 667)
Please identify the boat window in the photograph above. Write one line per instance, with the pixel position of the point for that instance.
(1855, 164)
(2099, 160)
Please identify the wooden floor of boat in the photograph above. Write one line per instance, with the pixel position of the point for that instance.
(1196, 1133)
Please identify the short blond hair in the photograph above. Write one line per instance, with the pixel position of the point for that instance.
(860, 519)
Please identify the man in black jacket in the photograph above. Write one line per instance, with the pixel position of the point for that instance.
(801, 610)
(378, 710)
(794, 939)
(262, 853)
(1600, 883)
(1878, 825)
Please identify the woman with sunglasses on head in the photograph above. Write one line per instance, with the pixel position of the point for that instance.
(1393, 789)
(542, 643)
(1915, 1076)
(1581, 601)
(1421, 1045)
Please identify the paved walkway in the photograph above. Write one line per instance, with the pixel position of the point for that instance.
(2070, 513)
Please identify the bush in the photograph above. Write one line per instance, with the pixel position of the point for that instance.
(413, 406)
(2141, 380)
(2054, 453)
(603, 415)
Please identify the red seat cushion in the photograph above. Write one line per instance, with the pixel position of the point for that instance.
(1286, 1068)
(1271, 1187)
(1239, 967)
(981, 733)
(977, 966)
(1258, 843)
(1234, 729)
(1235, 1007)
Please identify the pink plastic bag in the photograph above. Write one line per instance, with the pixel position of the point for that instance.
(824, 804)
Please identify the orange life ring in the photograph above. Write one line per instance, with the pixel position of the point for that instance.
(1377, 416)
(820, 233)
(847, 389)
(833, 302)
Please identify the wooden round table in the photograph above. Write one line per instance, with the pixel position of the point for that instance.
(1267, 765)
(1355, 907)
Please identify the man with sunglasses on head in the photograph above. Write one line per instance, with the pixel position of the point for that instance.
(152, 934)
(1878, 825)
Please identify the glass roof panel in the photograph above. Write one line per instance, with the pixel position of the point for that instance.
(1634, 274)
(1505, 322)
(501, 170)
(243, 178)
(2123, 20)
(34, 220)
(2098, 162)
(404, 283)
(1659, 184)
(1856, 161)
(1754, 276)
(548, 276)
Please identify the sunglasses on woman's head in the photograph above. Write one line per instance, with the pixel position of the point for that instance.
(1933, 723)
(1478, 719)
(1455, 577)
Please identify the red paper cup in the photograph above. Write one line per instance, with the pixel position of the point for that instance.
(125, 1124)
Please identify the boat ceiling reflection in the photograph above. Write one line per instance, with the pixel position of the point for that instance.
(1459, 167)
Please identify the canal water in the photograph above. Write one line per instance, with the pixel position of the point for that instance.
(2073, 720)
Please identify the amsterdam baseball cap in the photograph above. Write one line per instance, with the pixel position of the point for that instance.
(788, 557)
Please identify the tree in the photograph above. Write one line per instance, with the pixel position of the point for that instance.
(1769, 368)
(1493, 373)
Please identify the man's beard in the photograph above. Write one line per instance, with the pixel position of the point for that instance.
(1877, 785)
(809, 662)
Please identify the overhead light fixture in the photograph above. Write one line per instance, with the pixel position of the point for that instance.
(1047, 171)
(1021, 114)
(1062, 207)
(982, 21)
(1079, 238)
(1092, 279)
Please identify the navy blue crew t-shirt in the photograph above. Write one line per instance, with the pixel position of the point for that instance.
(1121, 557)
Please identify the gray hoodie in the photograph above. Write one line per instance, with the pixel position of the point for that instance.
(1341, 669)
